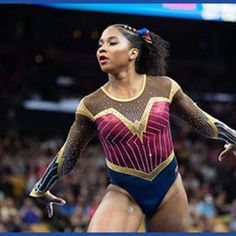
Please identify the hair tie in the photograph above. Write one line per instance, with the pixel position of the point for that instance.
(144, 34)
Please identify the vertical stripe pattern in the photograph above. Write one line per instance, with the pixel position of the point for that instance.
(126, 149)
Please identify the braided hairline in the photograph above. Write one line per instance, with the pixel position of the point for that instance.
(128, 28)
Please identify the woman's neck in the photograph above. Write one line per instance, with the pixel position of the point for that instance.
(124, 85)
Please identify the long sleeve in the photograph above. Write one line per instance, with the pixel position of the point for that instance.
(81, 132)
(206, 125)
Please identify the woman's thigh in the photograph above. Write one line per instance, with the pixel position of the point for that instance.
(117, 212)
(172, 215)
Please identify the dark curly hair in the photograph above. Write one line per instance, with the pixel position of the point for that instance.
(152, 56)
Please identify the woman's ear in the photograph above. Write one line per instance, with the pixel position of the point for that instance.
(133, 53)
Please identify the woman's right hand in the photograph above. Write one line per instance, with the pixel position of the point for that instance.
(48, 200)
(229, 148)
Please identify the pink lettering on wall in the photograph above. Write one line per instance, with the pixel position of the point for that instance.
(180, 6)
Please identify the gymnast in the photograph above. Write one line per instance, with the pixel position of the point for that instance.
(130, 114)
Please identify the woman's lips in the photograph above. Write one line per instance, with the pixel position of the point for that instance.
(103, 59)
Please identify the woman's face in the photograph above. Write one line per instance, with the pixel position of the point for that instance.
(114, 52)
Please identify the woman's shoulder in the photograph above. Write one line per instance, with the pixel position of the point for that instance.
(93, 98)
(166, 80)
(162, 80)
(165, 84)
(91, 101)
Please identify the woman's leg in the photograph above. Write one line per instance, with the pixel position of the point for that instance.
(172, 215)
(116, 213)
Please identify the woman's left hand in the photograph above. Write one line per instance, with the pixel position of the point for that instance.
(229, 148)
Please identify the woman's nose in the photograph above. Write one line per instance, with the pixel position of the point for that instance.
(102, 49)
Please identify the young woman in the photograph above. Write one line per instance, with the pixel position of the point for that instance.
(130, 115)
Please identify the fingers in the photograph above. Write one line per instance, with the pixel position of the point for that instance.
(228, 149)
(49, 207)
(56, 201)
(48, 200)
(222, 155)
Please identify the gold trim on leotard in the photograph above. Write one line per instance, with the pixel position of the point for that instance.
(60, 160)
(83, 110)
(128, 99)
(174, 88)
(33, 193)
(211, 121)
(136, 127)
(143, 175)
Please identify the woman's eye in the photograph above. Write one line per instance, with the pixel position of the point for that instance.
(113, 43)
(109, 43)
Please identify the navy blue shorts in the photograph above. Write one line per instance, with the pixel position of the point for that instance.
(148, 194)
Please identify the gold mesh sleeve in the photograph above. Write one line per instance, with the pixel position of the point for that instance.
(184, 107)
(203, 123)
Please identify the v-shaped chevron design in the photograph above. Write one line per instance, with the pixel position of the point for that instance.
(140, 145)
(137, 127)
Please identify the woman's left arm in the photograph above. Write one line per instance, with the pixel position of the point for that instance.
(183, 106)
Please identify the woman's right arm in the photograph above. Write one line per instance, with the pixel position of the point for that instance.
(81, 132)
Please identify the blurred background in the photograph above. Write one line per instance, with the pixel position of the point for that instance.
(47, 64)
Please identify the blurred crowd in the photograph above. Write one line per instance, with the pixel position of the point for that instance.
(23, 160)
(210, 185)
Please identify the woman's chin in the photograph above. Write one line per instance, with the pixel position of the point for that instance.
(106, 69)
